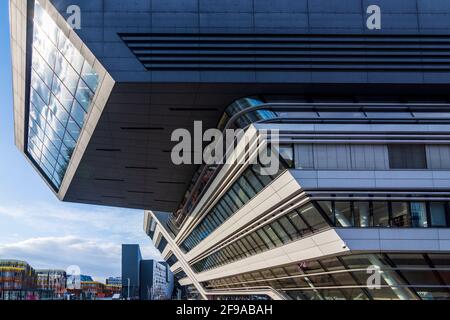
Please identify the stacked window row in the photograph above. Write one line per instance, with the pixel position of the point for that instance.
(312, 218)
(290, 227)
(172, 260)
(162, 244)
(251, 182)
(403, 276)
(180, 275)
(62, 88)
(394, 214)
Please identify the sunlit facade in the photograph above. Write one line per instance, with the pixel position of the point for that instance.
(18, 280)
(53, 282)
(359, 189)
(362, 117)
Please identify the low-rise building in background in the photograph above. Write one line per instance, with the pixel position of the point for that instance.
(18, 280)
(114, 281)
(51, 283)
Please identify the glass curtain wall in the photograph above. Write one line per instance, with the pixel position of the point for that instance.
(63, 84)
(249, 184)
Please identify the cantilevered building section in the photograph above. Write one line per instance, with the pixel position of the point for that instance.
(363, 117)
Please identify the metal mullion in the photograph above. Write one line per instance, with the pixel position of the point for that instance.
(397, 271)
(304, 221)
(284, 229)
(271, 241)
(433, 269)
(230, 199)
(255, 235)
(249, 184)
(248, 246)
(365, 290)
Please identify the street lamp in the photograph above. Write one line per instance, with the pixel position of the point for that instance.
(128, 288)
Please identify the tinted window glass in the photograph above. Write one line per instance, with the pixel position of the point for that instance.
(407, 156)
(438, 214)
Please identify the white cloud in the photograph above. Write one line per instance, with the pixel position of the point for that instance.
(94, 256)
(48, 235)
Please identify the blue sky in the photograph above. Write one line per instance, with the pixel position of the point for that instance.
(34, 225)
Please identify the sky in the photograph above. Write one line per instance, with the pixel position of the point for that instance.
(35, 226)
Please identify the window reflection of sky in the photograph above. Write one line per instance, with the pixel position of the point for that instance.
(62, 88)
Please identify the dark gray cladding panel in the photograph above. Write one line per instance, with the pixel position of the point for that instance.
(103, 20)
(127, 162)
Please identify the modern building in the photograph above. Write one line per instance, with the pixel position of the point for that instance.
(18, 281)
(144, 279)
(155, 281)
(53, 282)
(111, 290)
(357, 91)
(131, 266)
(86, 278)
(114, 281)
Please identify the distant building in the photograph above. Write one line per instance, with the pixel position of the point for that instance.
(131, 258)
(91, 290)
(114, 281)
(112, 289)
(85, 278)
(18, 280)
(52, 283)
(154, 282)
(144, 279)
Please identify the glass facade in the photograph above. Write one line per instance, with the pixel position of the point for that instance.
(396, 214)
(180, 275)
(290, 227)
(62, 88)
(319, 216)
(172, 260)
(250, 183)
(402, 276)
(162, 244)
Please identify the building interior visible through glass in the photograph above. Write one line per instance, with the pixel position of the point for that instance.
(404, 276)
(63, 85)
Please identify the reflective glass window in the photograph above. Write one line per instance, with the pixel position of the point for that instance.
(290, 229)
(438, 214)
(380, 214)
(327, 208)
(400, 214)
(252, 181)
(56, 76)
(313, 217)
(361, 211)
(418, 215)
(278, 229)
(287, 154)
(265, 238)
(298, 222)
(272, 235)
(407, 156)
(343, 214)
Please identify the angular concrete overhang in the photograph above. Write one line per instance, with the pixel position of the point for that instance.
(123, 155)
